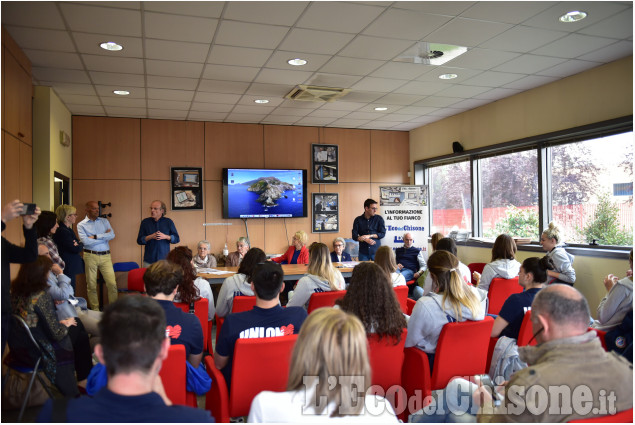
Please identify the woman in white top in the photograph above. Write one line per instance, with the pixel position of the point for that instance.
(204, 259)
(332, 352)
(562, 260)
(617, 302)
(239, 284)
(385, 258)
(322, 276)
(191, 287)
(503, 263)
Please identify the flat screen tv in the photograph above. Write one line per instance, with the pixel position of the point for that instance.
(264, 193)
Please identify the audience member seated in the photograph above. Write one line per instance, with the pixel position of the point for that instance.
(322, 277)
(617, 302)
(46, 226)
(234, 258)
(338, 255)
(64, 343)
(385, 259)
(562, 260)
(133, 347)
(297, 253)
(434, 239)
(267, 319)
(570, 376)
(503, 263)
(204, 259)
(371, 298)
(450, 300)
(411, 261)
(239, 284)
(328, 377)
(191, 287)
(425, 286)
(162, 281)
(532, 277)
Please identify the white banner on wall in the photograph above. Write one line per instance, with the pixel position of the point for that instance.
(404, 209)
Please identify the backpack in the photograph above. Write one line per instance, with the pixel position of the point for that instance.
(620, 339)
(505, 360)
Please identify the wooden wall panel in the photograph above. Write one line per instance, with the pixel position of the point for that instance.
(125, 199)
(106, 148)
(289, 147)
(26, 173)
(11, 177)
(389, 157)
(166, 143)
(354, 153)
(229, 145)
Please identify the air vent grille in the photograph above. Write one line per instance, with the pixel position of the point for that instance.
(316, 93)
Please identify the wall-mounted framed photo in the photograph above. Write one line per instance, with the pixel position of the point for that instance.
(326, 218)
(187, 188)
(324, 164)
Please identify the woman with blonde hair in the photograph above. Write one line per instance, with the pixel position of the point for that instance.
(450, 300)
(385, 258)
(68, 245)
(331, 351)
(562, 260)
(297, 253)
(322, 277)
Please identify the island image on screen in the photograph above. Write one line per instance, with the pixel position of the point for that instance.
(264, 193)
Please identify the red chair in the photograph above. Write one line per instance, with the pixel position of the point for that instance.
(386, 360)
(402, 297)
(135, 280)
(324, 299)
(173, 374)
(602, 336)
(240, 304)
(475, 267)
(201, 311)
(623, 417)
(410, 305)
(526, 333)
(217, 399)
(499, 290)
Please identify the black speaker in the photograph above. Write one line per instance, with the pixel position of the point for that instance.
(456, 147)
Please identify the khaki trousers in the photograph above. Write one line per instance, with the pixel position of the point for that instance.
(103, 263)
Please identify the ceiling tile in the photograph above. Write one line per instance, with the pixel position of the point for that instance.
(512, 12)
(610, 53)
(132, 5)
(70, 88)
(313, 121)
(289, 103)
(117, 79)
(596, 10)
(255, 109)
(530, 82)
(260, 89)
(421, 87)
(118, 111)
(41, 14)
(363, 96)
(402, 71)
(405, 24)
(280, 119)
(176, 50)
(343, 106)
(211, 107)
(78, 99)
(107, 91)
(482, 58)
(497, 93)
(437, 101)
(333, 80)
(249, 100)
(168, 104)
(124, 101)
(102, 20)
(567, 68)
(375, 48)
(528, 64)
(348, 123)
(234, 117)
(493, 79)
(231, 73)
(47, 59)
(378, 84)
(173, 69)
(399, 99)
(265, 12)
(451, 8)
(239, 56)
(399, 117)
(416, 110)
(339, 16)
(463, 74)
(174, 83)
(244, 34)
(113, 64)
(313, 41)
(206, 9)
(206, 116)
(281, 76)
(61, 75)
(292, 112)
(325, 113)
(573, 45)
(85, 109)
(41, 39)
(89, 43)
(279, 60)
(179, 28)
(350, 66)
(173, 114)
(359, 115)
(219, 86)
(466, 32)
(406, 126)
(522, 39)
(167, 94)
(470, 103)
(617, 26)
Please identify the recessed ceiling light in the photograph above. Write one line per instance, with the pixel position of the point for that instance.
(447, 76)
(296, 62)
(573, 16)
(121, 92)
(111, 45)
(381, 108)
(261, 101)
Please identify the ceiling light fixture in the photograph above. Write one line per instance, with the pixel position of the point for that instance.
(296, 62)
(381, 108)
(111, 45)
(261, 101)
(573, 16)
(121, 92)
(448, 76)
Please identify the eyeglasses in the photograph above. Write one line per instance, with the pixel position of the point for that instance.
(338, 245)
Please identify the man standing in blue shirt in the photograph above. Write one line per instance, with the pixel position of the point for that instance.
(368, 229)
(95, 232)
(157, 232)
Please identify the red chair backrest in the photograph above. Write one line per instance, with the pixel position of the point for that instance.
(201, 312)
(173, 375)
(135, 280)
(219, 325)
(410, 305)
(243, 303)
(475, 267)
(402, 297)
(386, 358)
(602, 336)
(499, 290)
(623, 417)
(217, 398)
(324, 299)
(450, 359)
(526, 332)
(259, 364)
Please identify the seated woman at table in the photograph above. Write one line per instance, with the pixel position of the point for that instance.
(239, 284)
(297, 253)
(385, 258)
(322, 277)
(191, 287)
(204, 259)
(338, 255)
(234, 258)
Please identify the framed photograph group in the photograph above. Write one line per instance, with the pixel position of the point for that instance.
(324, 164)
(187, 188)
(326, 217)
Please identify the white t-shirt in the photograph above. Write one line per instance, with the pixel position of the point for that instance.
(397, 279)
(204, 291)
(288, 407)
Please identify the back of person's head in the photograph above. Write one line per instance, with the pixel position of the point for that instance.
(553, 232)
(538, 268)
(268, 279)
(371, 297)
(32, 277)
(385, 258)
(162, 277)
(45, 222)
(182, 257)
(251, 258)
(368, 202)
(434, 240)
(563, 305)
(132, 330)
(332, 343)
(504, 248)
(313, 245)
(444, 269)
(64, 211)
(447, 244)
(320, 265)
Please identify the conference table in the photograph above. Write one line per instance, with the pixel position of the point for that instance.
(291, 272)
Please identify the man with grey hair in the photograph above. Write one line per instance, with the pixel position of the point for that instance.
(411, 261)
(338, 255)
(234, 258)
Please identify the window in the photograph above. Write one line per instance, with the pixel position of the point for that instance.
(450, 198)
